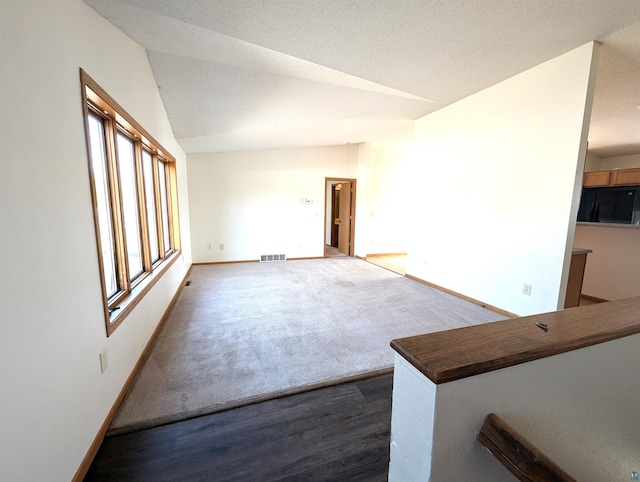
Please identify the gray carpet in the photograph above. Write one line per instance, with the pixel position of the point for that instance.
(242, 333)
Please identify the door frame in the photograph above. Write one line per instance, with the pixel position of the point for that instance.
(327, 212)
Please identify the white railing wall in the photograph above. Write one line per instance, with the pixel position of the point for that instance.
(581, 408)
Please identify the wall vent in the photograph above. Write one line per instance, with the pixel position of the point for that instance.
(265, 258)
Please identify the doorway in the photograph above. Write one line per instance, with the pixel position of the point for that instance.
(339, 214)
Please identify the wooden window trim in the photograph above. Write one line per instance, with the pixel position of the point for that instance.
(117, 120)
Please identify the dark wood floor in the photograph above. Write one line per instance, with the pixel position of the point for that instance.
(334, 433)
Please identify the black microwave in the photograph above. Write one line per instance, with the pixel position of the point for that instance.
(620, 205)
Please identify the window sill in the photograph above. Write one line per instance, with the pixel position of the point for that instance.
(129, 302)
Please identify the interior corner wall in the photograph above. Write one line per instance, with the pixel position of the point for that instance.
(53, 397)
(592, 162)
(363, 200)
(249, 203)
(618, 162)
(494, 180)
(388, 203)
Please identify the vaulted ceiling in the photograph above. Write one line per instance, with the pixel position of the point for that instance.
(256, 74)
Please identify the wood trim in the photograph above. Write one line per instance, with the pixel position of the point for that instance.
(117, 122)
(464, 352)
(122, 115)
(99, 438)
(204, 263)
(252, 261)
(593, 299)
(94, 205)
(353, 184)
(575, 280)
(352, 242)
(376, 255)
(464, 297)
(517, 454)
(135, 296)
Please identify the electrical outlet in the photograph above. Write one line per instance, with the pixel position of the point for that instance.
(526, 289)
(209, 246)
(104, 361)
(221, 247)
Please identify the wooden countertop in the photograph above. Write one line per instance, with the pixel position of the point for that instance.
(453, 354)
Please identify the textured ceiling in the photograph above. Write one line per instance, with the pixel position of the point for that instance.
(255, 74)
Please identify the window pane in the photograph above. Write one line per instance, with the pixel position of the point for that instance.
(101, 185)
(127, 170)
(164, 206)
(147, 168)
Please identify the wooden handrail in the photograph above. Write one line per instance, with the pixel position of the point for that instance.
(517, 454)
(444, 356)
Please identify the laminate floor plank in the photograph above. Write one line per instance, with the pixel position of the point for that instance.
(333, 433)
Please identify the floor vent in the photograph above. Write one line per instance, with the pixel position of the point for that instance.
(264, 258)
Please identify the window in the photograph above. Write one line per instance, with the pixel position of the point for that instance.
(133, 184)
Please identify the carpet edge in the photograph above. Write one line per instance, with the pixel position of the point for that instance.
(166, 420)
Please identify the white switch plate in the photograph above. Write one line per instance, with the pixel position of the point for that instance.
(104, 361)
(526, 289)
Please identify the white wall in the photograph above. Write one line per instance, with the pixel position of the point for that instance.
(388, 203)
(250, 201)
(562, 404)
(363, 200)
(617, 162)
(494, 193)
(592, 162)
(53, 397)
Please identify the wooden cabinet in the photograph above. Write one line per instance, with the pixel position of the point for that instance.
(616, 177)
(596, 178)
(625, 177)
